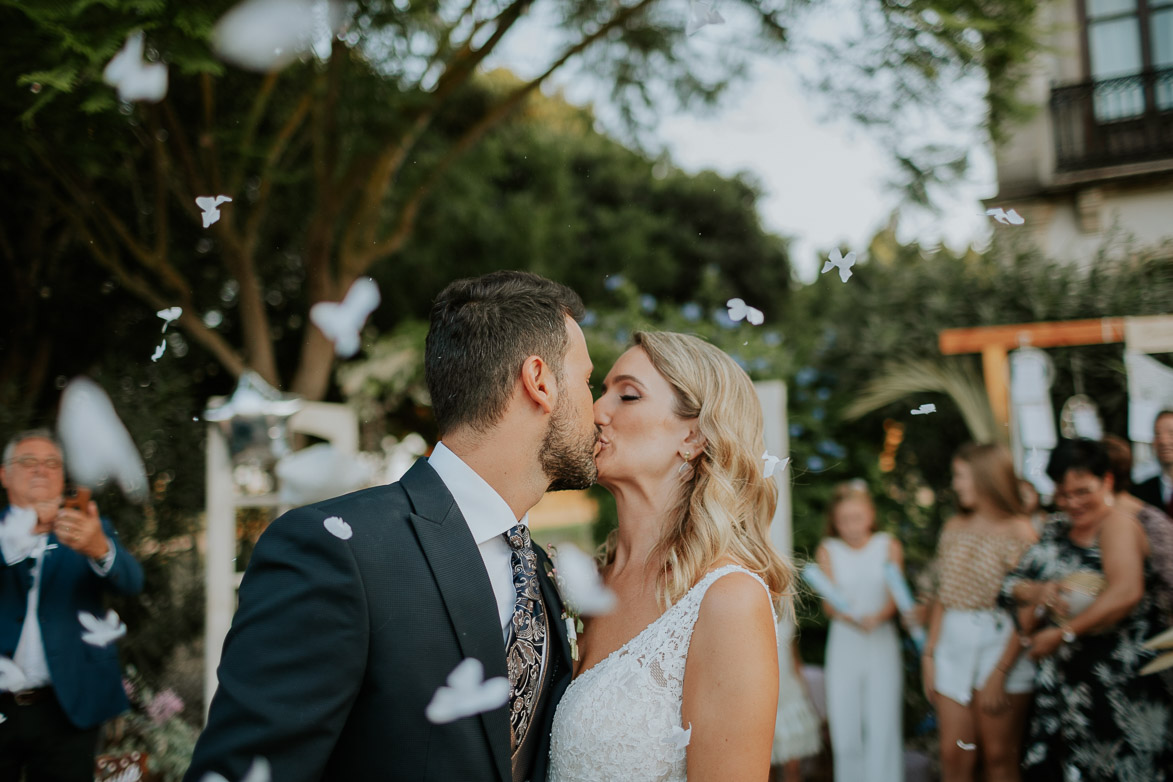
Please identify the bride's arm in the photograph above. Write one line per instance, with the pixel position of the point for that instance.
(731, 683)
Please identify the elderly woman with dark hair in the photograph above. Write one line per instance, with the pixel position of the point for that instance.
(1092, 576)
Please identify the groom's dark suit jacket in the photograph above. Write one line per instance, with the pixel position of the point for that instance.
(338, 646)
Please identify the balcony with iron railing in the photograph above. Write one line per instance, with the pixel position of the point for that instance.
(1114, 122)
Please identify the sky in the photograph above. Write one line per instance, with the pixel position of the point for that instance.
(824, 181)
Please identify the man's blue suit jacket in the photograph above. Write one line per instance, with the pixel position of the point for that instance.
(86, 678)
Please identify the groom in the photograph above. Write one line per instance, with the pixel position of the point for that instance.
(340, 642)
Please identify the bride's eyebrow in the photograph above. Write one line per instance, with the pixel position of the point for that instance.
(624, 379)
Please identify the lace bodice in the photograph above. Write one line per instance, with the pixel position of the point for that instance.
(620, 719)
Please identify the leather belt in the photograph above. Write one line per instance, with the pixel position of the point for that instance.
(27, 697)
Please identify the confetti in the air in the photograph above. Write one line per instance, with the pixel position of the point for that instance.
(702, 13)
(3, 719)
(135, 78)
(259, 771)
(158, 354)
(837, 260)
(679, 737)
(467, 693)
(338, 528)
(578, 580)
(739, 310)
(773, 464)
(265, 35)
(924, 410)
(966, 747)
(96, 443)
(211, 207)
(1006, 216)
(168, 315)
(11, 676)
(342, 322)
(101, 632)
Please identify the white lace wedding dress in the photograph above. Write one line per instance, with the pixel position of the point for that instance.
(620, 719)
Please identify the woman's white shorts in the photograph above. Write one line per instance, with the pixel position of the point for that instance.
(969, 646)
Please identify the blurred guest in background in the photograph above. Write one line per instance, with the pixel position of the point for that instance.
(973, 669)
(1032, 505)
(1092, 576)
(864, 669)
(57, 561)
(1158, 490)
(796, 730)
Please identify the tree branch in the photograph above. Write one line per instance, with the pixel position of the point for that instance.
(280, 142)
(250, 130)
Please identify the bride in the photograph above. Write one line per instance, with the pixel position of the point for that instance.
(681, 681)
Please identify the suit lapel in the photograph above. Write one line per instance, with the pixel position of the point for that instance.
(459, 571)
(554, 606)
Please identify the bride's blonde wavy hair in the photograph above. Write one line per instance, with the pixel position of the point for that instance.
(725, 505)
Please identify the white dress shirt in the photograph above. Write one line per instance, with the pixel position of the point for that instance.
(489, 518)
(1166, 488)
(30, 648)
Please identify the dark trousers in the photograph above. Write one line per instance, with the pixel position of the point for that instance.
(41, 740)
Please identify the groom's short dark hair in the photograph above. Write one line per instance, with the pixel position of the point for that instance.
(481, 331)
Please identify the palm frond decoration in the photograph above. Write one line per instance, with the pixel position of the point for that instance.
(955, 378)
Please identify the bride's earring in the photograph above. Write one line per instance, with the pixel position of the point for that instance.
(685, 466)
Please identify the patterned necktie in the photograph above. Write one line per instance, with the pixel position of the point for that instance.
(523, 657)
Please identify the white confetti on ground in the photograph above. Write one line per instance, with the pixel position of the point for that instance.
(96, 444)
(265, 35)
(135, 78)
(211, 207)
(338, 528)
(702, 13)
(773, 463)
(259, 771)
(467, 693)
(342, 322)
(739, 310)
(101, 632)
(836, 260)
(1006, 216)
(924, 410)
(679, 737)
(168, 315)
(578, 580)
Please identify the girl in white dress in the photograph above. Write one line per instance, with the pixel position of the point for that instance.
(864, 670)
(681, 680)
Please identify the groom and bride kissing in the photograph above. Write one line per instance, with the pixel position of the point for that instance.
(339, 643)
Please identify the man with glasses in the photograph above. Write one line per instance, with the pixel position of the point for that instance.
(55, 689)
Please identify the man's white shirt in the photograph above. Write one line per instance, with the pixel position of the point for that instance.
(489, 518)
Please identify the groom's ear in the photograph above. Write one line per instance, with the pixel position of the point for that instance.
(537, 382)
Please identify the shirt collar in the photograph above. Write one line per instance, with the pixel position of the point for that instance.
(483, 509)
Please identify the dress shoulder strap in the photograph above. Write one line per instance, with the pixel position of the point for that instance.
(697, 594)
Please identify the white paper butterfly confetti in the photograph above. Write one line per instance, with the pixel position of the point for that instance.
(1006, 217)
(966, 747)
(679, 737)
(467, 693)
(158, 354)
(135, 78)
(739, 310)
(342, 322)
(264, 35)
(101, 632)
(836, 260)
(338, 528)
(97, 445)
(169, 314)
(774, 463)
(700, 14)
(924, 410)
(211, 207)
(11, 676)
(259, 771)
(3, 719)
(579, 582)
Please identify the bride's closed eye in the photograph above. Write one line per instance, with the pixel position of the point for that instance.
(630, 397)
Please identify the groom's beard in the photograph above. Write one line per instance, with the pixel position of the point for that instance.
(568, 456)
